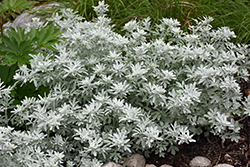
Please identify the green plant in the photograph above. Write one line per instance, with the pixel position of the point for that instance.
(10, 9)
(112, 95)
(122, 11)
(231, 13)
(234, 14)
(17, 45)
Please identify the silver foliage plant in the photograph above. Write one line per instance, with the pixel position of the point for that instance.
(111, 95)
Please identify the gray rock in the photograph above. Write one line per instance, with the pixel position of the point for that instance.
(223, 165)
(150, 165)
(200, 161)
(26, 17)
(166, 165)
(112, 164)
(136, 160)
(227, 158)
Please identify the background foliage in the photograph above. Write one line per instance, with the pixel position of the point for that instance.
(231, 13)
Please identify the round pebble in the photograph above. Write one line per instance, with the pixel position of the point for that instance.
(200, 161)
(166, 165)
(223, 165)
(136, 160)
(150, 165)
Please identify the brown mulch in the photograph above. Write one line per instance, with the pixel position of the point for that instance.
(236, 154)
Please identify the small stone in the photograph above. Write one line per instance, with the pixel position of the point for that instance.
(112, 164)
(223, 165)
(228, 158)
(136, 160)
(150, 165)
(166, 165)
(200, 161)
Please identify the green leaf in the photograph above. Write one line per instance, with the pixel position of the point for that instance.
(17, 45)
(14, 5)
(17, 33)
(11, 3)
(8, 44)
(50, 43)
(43, 35)
(31, 34)
(22, 60)
(7, 72)
(24, 46)
(6, 40)
(3, 48)
(26, 55)
(10, 58)
(21, 3)
(10, 8)
(14, 45)
(26, 4)
(20, 34)
(2, 8)
(6, 2)
(48, 33)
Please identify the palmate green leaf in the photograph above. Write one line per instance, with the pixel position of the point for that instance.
(50, 45)
(22, 3)
(19, 45)
(24, 46)
(16, 46)
(11, 44)
(12, 58)
(21, 59)
(6, 2)
(6, 40)
(32, 35)
(15, 41)
(17, 33)
(10, 3)
(9, 58)
(13, 5)
(48, 34)
(3, 48)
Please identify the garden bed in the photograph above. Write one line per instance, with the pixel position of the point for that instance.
(236, 154)
(111, 92)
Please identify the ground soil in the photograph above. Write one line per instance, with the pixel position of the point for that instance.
(236, 154)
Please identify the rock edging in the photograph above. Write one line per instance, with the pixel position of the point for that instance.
(137, 160)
